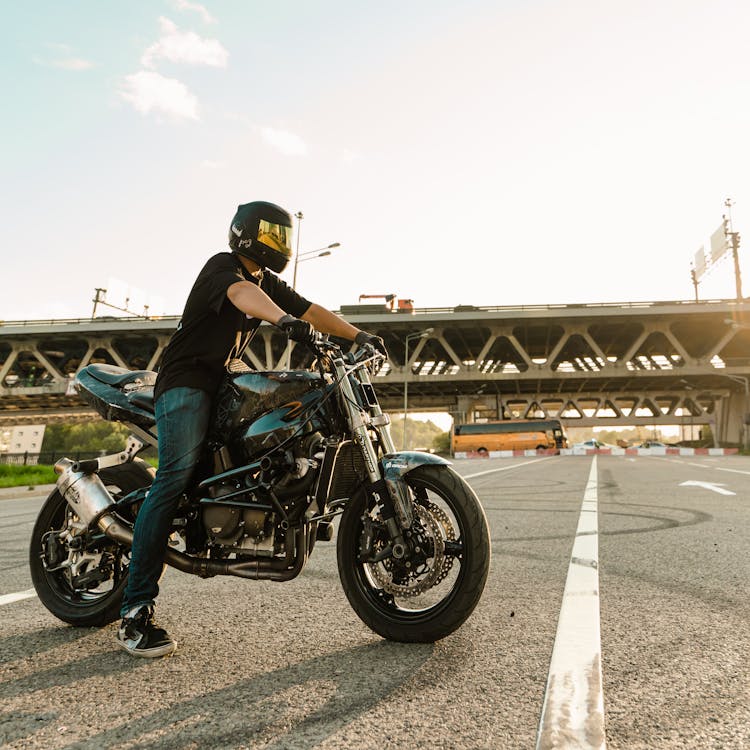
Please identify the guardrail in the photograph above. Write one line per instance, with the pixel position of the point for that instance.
(79, 321)
(669, 451)
(417, 311)
(47, 458)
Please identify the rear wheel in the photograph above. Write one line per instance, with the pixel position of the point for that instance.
(80, 577)
(433, 590)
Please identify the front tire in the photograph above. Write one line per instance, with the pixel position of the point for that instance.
(437, 596)
(66, 592)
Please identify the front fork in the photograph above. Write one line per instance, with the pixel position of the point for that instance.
(396, 508)
(388, 485)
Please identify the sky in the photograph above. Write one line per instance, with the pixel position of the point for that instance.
(487, 152)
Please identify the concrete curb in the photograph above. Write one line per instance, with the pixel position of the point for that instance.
(23, 491)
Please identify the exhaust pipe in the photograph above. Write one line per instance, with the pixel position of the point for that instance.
(89, 498)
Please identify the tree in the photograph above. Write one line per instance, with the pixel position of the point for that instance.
(419, 435)
(85, 437)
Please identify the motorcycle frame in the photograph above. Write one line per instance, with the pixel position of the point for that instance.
(85, 492)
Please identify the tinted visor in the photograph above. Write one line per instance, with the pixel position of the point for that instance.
(276, 236)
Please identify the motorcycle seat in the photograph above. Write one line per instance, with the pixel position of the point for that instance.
(143, 398)
(120, 376)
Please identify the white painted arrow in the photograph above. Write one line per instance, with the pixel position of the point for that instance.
(713, 486)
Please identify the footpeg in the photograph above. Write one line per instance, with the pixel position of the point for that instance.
(324, 532)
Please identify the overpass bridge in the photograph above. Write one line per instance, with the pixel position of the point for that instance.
(630, 363)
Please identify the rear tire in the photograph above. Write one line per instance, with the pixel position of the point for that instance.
(445, 606)
(90, 607)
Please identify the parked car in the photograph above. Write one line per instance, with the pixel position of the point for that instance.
(592, 444)
(651, 444)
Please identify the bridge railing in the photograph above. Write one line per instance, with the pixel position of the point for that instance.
(46, 458)
(368, 309)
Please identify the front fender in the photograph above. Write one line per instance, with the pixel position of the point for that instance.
(395, 467)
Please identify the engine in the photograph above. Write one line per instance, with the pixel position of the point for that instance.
(248, 513)
(240, 529)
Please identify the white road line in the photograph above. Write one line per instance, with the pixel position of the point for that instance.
(573, 710)
(17, 597)
(713, 486)
(505, 468)
(735, 471)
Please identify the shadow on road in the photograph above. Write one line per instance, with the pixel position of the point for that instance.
(16, 725)
(293, 707)
(34, 642)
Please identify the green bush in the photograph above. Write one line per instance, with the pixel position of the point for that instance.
(26, 476)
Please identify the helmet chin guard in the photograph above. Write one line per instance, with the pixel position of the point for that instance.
(262, 232)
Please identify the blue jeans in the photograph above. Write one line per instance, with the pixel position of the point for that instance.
(182, 416)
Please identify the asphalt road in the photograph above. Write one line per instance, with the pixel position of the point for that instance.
(268, 665)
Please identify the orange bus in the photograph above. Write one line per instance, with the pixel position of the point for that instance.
(508, 435)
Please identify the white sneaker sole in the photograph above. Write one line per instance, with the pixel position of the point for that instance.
(151, 653)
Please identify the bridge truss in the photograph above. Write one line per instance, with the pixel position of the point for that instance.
(650, 363)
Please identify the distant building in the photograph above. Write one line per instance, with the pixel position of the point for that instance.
(25, 438)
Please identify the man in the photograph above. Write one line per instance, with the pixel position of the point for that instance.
(231, 296)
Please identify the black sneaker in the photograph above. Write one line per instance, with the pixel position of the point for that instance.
(139, 636)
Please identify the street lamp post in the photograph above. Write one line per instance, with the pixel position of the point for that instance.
(299, 216)
(321, 252)
(299, 257)
(409, 337)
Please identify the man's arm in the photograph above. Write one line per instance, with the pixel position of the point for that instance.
(253, 301)
(325, 321)
(328, 322)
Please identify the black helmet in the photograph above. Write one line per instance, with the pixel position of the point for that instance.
(262, 232)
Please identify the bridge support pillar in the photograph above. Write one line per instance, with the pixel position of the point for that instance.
(730, 418)
(472, 408)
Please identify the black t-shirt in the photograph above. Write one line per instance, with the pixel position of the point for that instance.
(212, 330)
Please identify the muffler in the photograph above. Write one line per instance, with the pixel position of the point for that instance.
(89, 498)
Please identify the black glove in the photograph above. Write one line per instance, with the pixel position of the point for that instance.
(297, 330)
(374, 341)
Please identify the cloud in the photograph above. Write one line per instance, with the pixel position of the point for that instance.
(211, 164)
(65, 59)
(201, 10)
(149, 91)
(287, 143)
(72, 63)
(184, 47)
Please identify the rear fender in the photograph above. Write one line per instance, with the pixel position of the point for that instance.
(395, 467)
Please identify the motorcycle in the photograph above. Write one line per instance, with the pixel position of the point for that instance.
(287, 453)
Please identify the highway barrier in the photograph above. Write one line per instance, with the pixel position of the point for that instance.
(603, 452)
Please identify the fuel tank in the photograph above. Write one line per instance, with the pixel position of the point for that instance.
(255, 411)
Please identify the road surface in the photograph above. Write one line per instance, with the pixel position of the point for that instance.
(269, 665)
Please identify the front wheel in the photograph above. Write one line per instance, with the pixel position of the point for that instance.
(430, 592)
(80, 576)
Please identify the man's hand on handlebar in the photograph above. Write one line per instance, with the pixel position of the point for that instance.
(363, 339)
(297, 330)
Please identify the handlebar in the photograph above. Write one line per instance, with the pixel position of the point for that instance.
(322, 346)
